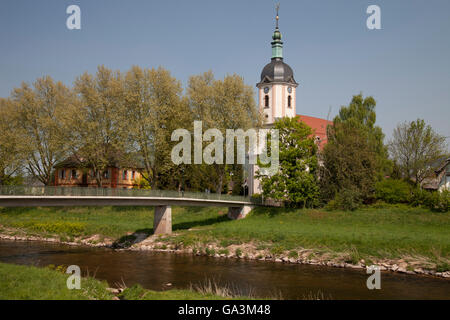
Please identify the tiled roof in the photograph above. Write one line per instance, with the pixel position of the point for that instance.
(319, 127)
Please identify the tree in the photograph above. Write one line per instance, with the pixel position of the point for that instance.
(42, 118)
(155, 108)
(99, 127)
(296, 181)
(221, 104)
(360, 113)
(349, 163)
(12, 151)
(415, 146)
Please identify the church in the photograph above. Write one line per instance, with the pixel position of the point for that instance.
(277, 98)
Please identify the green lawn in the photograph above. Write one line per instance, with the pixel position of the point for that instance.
(31, 283)
(391, 232)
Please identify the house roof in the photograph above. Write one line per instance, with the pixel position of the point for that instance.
(319, 127)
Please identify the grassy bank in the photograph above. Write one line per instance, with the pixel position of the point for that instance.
(31, 283)
(392, 232)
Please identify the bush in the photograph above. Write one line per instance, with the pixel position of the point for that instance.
(393, 191)
(346, 199)
(435, 200)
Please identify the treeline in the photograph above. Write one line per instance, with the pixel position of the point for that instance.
(356, 167)
(121, 116)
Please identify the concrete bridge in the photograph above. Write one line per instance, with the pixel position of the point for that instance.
(238, 207)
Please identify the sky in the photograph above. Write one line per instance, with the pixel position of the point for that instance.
(405, 65)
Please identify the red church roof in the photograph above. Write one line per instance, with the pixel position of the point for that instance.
(319, 127)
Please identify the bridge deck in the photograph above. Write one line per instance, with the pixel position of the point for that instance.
(55, 201)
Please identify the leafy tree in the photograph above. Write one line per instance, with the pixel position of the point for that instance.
(221, 104)
(296, 181)
(99, 127)
(360, 113)
(415, 146)
(42, 117)
(349, 164)
(155, 107)
(12, 147)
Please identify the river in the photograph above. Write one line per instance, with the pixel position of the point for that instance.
(156, 270)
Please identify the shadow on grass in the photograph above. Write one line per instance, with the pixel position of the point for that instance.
(140, 235)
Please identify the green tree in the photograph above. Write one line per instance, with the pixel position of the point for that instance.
(349, 164)
(221, 104)
(296, 181)
(99, 127)
(12, 148)
(155, 107)
(415, 146)
(360, 113)
(42, 118)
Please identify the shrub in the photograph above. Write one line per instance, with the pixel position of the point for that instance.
(435, 200)
(393, 191)
(346, 199)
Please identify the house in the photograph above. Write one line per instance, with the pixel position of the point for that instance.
(440, 177)
(76, 172)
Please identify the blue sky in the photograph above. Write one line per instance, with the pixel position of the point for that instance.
(405, 66)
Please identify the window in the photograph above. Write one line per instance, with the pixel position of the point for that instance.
(266, 101)
(74, 174)
(289, 102)
(125, 175)
(133, 175)
(62, 174)
(106, 174)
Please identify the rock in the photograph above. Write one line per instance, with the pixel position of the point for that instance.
(292, 260)
(278, 260)
(115, 298)
(418, 270)
(394, 267)
(168, 284)
(410, 272)
(401, 269)
(446, 274)
(113, 290)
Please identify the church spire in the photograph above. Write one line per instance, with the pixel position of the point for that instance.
(277, 44)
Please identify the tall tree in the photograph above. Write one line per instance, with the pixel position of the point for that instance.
(100, 125)
(415, 146)
(349, 163)
(155, 108)
(222, 104)
(360, 113)
(12, 146)
(296, 180)
(42, 118)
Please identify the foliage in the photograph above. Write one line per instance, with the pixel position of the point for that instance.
(295, 183)
(345, 199)
(415, 147)
(393, 191)
(43, 123)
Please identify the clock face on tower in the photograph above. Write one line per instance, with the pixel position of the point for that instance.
(266, 90)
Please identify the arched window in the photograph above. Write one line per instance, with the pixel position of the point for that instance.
(289, 102)
(266, 101)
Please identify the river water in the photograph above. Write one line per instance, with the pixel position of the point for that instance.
(154, 270)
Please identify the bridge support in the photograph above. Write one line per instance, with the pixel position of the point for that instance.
(236, 213)
(162, 222)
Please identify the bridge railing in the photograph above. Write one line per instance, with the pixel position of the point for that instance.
(111, 192)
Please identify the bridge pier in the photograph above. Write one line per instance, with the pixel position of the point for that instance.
(236, 213)
(162, 222)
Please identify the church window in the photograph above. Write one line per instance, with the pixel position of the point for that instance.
(289, 102)
(266, 101)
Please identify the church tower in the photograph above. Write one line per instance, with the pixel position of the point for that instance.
(277, 88)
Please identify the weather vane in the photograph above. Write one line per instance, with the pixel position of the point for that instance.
(277, 8)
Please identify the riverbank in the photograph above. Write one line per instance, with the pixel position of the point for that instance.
(397, 238)
(30, 283)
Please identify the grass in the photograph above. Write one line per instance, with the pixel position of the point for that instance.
(385, 232)
(31, 283)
